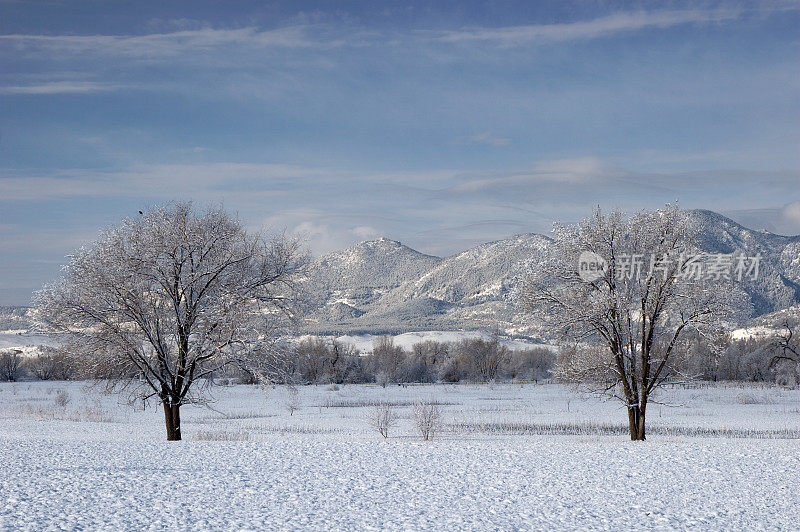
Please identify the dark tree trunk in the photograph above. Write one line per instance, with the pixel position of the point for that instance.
(636, 422)
(172, 417)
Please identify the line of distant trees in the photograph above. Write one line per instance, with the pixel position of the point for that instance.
(48, 364)
(326, 360)
(754, 359)
(320, 360)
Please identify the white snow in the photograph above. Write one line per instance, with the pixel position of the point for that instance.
(29, 344)
(758, 331)
(365, 342)
(97, 464)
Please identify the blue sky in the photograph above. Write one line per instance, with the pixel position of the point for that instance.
(440, 124)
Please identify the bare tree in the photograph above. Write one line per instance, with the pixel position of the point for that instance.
(311, 356)
(165, 299)
(485, 357)
(292, 398)
(51, 363)
(43, 367)
(382, 418)
(789, 348)
(335, 356)
(387, 357)
(639, 317)
(382, 379)
(427, 418)
(9, 364)
(431, 352)
(533, 364)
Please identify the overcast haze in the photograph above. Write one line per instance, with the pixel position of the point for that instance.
(438, 125)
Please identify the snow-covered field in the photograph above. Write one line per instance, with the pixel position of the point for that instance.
(27, 343)
(509, 457)
(365, 342)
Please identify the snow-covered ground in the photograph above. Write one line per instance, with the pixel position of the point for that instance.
(365, 342)
(756, 331)
(510, 457)
(23, 341)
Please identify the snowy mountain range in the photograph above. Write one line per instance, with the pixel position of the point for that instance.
(382, 286)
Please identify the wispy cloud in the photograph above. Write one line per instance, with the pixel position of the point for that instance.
(791, 215)
(171, 44)
(559, 172)
(590, 29)
(323, 235)
(62, 87)
(486, 138)
(164, 181)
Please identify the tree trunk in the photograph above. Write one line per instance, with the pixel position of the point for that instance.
(636, 422)
(172, 418)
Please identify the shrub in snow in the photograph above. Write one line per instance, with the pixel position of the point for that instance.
(749, 398)
(9, 365)
(427, 418)
(293, 399)
(62, 398)
(382, 379)
(381, 418)
(51, 364)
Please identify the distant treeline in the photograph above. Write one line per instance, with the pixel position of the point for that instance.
(321, 360)
(755, 359)
(324, 360)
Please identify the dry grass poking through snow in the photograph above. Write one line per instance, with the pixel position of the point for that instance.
(49, 403)
(587, 428)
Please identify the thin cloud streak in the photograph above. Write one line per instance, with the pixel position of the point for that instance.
(63, 87)
(486, 138)
(166, 181)
(584, 30)
(169, 45)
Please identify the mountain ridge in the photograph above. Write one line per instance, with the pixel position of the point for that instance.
(383, 286)
(467, 290)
